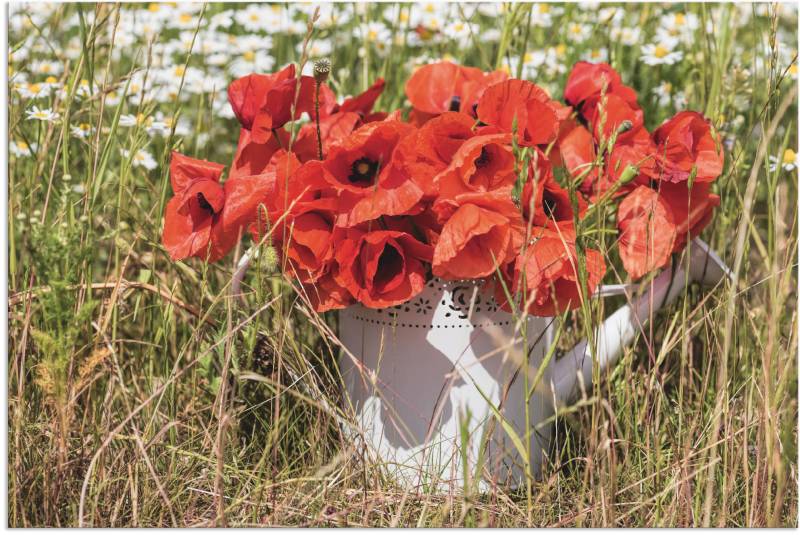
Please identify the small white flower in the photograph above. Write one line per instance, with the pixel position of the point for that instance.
(258, 17)
(129, 121)
(20, 149)
(46, 68)
(578, 33)
(34, 91)
(543, 14)
(664, 93)
(626, 36)
(47, 115)
(678, 25)
(596, 55)
(789, 161)
(82, 131)
(662, 53)
(142, 158)
(85, 90)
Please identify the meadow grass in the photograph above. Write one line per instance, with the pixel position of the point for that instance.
(141, 394)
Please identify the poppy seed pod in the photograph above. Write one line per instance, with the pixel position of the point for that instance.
(322, 68)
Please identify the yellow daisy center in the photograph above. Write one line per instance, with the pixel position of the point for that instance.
(249, 55)
(789, 156)
(660, 51)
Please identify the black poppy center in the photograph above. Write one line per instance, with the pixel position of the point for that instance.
(390, 264)
(483, 159)
(549, 204)
(362, 172)
(455, 103)
(204, 204)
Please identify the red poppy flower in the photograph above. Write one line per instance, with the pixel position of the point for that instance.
(206, 219)
(247, 95)
(360, 168)
(480, 233)
(647, 231)
(285, 102)
(252, 158)
(537, 116)
(575, 151)
(428, 151)
(333, 128)
(692, 209)
(481, 164)
(327, 294)
(278, 176)
(444, 86)
(617, 111)
(638, 151)
(586, 80)
(304, 238)
(543, 200)
(363, 103)
(545, 276)
(381, 268)
(687, 141)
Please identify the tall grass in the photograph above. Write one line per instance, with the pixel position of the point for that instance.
(141, 394)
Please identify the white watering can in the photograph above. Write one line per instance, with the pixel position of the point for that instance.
(436, 384)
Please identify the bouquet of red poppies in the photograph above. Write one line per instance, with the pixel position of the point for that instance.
(486, 178)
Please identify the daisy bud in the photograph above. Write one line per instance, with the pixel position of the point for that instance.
(624, 126)
(322, 68)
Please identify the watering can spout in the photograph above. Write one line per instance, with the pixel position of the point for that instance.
(620, 328)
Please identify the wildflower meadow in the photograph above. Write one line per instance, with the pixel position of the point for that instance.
(246, 240)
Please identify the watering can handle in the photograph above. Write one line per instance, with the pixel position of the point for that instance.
(619, 329)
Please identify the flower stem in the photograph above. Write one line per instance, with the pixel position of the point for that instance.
(316, 116)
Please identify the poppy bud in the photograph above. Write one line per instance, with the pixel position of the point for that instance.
(624, 126)
(270, 259)
(322, 68)
(629, 173)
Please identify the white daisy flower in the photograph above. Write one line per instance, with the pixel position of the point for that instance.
(46, 115)
(663, 92)
(461, 32)
(34, 91)
(678, 25)
(142, 158)
(577, 32)
(596, 55)
(789, 161)
(661, 53)
(21, 149)
(112, 98)
(543, 14)
(249, 62)
(85, 90)
(129, 121)
(257, 17)
(626, 36)
(82, 131)
(224, 19)
(45, 67)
